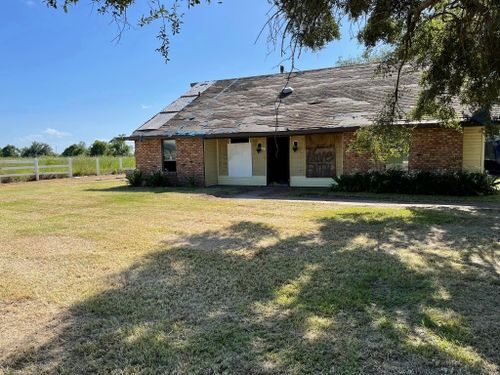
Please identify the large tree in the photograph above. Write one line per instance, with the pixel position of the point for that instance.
(10, 151)
(455, 44)
(37, 149)
(76, 149)
(119, 147)
(99, 148)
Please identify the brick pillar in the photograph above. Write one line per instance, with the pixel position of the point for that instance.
(434, 149)
(190, 160)
(148, 155)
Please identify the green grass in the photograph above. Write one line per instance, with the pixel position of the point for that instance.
(97, 277)
(82, 165)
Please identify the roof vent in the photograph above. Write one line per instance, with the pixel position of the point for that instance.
(287, 91)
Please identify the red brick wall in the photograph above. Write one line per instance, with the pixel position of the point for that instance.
(190, 160)
(148, 155)
(431, 149)
(353, 161)
(436, 149)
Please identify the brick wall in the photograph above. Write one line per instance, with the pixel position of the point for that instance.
(431, 149)
(436, 149)
(148, 155)
(190, 160)
(355, 162)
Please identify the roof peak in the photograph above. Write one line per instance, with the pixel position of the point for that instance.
(296, 72)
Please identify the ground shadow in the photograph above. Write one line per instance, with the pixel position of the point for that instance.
(343, 299)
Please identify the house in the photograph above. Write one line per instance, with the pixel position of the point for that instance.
(249, 131)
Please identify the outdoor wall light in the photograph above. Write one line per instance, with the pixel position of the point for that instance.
(295, 146)
(259, 147)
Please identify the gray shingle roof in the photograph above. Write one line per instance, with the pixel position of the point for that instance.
(330, 99)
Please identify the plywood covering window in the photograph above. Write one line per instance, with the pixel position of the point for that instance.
(169, 155)
(320, 155)
(239, 157)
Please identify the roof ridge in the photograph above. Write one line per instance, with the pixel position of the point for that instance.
(294, 72)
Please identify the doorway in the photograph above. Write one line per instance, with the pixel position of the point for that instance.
(278, 160)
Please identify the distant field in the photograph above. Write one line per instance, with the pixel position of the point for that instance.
(82, 165)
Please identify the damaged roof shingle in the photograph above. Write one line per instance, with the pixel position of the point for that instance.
(332, 98)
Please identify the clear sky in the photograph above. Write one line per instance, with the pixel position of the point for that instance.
(63, 79)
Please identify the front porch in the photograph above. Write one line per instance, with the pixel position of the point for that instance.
(296, 160)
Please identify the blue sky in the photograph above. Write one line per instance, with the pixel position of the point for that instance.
(63, 78)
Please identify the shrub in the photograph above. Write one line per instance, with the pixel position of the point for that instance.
(135, 178)
(190, 181)
(417, 182)
(157, 179)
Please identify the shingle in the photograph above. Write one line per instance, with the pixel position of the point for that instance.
(341, 97)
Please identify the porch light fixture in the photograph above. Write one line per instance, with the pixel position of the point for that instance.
(295, 146)
(259, 147)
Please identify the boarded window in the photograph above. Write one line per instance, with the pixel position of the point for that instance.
(320, 155)
(239, 156)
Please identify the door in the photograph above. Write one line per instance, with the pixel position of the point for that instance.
(278, 160)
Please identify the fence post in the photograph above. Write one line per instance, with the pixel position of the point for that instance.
(70, 168)
(97, 169)
(37, 171)
(121, 165)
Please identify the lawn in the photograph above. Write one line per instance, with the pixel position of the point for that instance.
(96, 277)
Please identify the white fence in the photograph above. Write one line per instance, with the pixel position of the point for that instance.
(32, 168)
(37, 169)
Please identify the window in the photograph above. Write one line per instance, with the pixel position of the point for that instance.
(169, 155)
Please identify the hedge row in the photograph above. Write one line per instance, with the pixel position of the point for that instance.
(418, 182)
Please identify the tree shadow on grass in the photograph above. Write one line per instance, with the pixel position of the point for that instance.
(367, 293)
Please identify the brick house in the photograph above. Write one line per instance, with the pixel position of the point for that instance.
(228, 132)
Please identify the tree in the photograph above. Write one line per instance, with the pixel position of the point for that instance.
(76, 149)
(167, 13)
(98, 148)
(455, 44)
(118, 146)
(37, 149)
(10, 151)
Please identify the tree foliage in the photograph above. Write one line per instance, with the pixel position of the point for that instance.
(10, 151)
(76, 149)
(37, 149)
(455, 44)
(99, 148)
(167, 13)
(118, 146)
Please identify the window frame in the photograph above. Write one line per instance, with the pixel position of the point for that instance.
(165, 162)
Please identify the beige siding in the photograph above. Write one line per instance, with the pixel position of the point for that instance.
(259, 160)
(210, 151)
(339, 154)
(298, 162)
(298, 158)
(222, 156)
(473, 149)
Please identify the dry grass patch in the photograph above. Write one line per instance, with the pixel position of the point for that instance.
(119, 280)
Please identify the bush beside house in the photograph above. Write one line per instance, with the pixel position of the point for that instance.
(418, 182)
